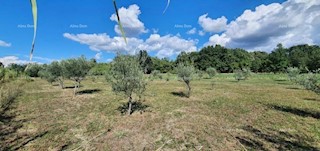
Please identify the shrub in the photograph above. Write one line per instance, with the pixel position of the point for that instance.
(211, 72)
(293, 73)
(156, 74)
(200, 74)
(242, 74)
(311, 82)
(185, 72)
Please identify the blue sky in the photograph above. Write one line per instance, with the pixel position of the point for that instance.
(71, 28)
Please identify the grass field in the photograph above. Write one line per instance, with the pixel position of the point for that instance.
(266, 112)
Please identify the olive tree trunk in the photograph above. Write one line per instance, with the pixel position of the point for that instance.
(76, 86)
(189, 90)
(130, 105)
(61, 84)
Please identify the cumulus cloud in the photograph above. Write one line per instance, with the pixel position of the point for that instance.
(4, 44)
(165, 46)
(290, 23)
(12, 59)
(212, 25)
(130, 21)
(192, 31)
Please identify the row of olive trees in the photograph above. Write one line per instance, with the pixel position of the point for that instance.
(75, 69)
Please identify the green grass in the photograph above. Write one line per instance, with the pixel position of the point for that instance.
(265, 112)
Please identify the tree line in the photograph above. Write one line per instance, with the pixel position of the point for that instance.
(224, 60)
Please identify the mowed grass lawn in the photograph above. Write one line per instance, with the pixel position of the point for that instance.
(266, 112)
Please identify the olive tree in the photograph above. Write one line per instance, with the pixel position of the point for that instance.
(75, 69)
(185, 72)
(55, 73)
(32, 69)
(126, 77)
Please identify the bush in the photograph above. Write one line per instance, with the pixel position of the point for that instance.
(242, 74)
(200, 74)
(311, 82)
(156, 74)
(211, 72)
(293, 73)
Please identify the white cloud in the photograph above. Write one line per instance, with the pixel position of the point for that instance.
(213, 25)
(109, 60)
(129, 18)
(165, 46)
(192, 31)
(290, 23)
(169, 45)
(201, 33)
(12, 59)
(98, 56)
(43, 59)
(155, 31)
(4, 44)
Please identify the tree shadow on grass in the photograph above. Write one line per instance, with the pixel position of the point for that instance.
(180, 94)
(294, 88)
(312, 99)
(136, 107)
(296, 111)
(284, 83)
(69, 87)
(278, 140)
(10, 137)
(279, 80)
(72, 87)
(90, 91)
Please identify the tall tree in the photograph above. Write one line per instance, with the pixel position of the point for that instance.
(164, 65)
(279, 59)
(145, 61)
(259, 61)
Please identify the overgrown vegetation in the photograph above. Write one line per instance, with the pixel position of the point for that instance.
(293, 73)
(311, 82)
